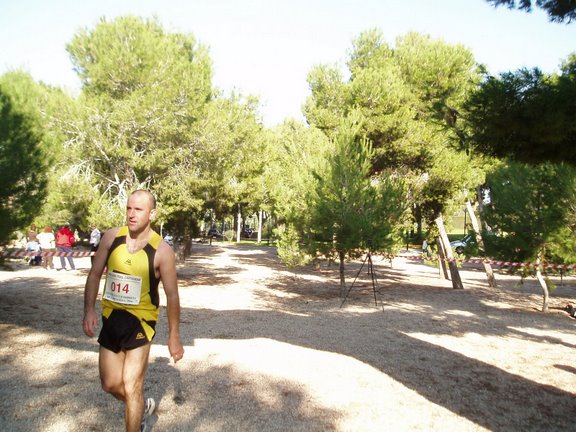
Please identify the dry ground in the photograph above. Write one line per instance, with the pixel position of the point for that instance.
(268, 349)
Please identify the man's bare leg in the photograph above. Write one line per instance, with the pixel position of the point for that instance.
(111, 367)
(135, 366)
(123, 375)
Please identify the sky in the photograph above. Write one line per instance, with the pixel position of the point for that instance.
(267, 47)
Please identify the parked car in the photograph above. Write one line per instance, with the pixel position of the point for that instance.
(460, 245)
(214, 233)
(168, 238)
(247, 232)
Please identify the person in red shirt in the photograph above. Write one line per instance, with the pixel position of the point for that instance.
(64, 241)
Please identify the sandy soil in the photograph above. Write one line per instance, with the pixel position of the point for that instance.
(270, 349)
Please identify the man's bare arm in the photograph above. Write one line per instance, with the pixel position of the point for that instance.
(167, 269)
(92, 286)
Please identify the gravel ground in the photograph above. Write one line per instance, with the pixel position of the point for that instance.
(270, 349)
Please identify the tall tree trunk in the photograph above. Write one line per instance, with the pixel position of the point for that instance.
(238, 224)
(454, 273)
(476, 227)
(543, 284)
(260, 225)
(187, 239)
(342, 256)
(443, 271)
(418, 217)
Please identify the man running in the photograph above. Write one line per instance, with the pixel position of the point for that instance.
(137, 259)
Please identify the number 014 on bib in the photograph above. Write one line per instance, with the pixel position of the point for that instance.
(121, 288)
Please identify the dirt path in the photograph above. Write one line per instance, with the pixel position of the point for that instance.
(270, 350)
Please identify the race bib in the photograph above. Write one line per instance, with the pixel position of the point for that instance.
(121, 288)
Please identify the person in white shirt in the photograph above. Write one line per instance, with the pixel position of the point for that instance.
(95, 236)
(47, 244)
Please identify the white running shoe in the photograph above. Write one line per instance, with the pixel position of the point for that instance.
(149, 407)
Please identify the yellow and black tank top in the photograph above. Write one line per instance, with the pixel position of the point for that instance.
(125, 266)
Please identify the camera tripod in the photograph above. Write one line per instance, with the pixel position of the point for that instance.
(368, 260)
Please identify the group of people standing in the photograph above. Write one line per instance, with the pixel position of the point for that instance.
(61, 241)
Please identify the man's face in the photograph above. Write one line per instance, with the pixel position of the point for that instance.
(139, 212)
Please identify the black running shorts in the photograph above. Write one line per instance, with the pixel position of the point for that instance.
(123, 331)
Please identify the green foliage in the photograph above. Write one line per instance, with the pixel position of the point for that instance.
(143, 90)
(350, 209)
(104, 212)
(444, 189)
(48, 109)
(229, 235)
(389, 215)
(531, 212)
(438, 74)
(561, 248)
(150, 119)
(32, 142)
(289, 249)
(73, 201)
(525, 115)
(22, 164)
(130, 55)
(343, 193)
(295, 153)
(327, 198)
(557, 10)
(230, 154)
(329, 100)
(408, 98)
